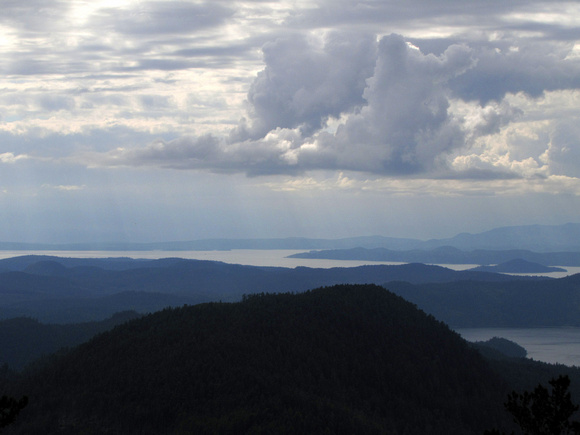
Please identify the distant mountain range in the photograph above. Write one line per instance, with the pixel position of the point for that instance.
(67, 290)
(36, 290)
(23, 339)
(538, 238)
(72, 290)
(514, 304)
(450, 255)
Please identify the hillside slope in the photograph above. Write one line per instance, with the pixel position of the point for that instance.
(346, 359)
(516, 304)
(23, 339)
(60, 290)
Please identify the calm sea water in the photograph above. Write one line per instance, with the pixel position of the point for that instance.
(250, 257)
(551, 345)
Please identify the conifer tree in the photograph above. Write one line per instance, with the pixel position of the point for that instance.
(543, 412)
(10, 408)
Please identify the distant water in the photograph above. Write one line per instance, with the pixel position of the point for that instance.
(250, 257)
(551, 345)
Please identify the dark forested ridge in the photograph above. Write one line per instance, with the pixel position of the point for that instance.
(22, 340)
(524, 304)
(65, 290)
(346, 359)
(498, 348)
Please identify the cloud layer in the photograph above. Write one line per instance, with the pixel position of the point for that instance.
(355, 102)
(409, 99)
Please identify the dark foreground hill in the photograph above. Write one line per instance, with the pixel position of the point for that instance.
(22, 340)
(352, 359)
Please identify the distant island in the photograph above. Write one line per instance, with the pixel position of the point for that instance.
(498, 347)
(518, 266)
(449, 255)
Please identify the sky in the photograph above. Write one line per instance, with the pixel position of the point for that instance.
(144, 121)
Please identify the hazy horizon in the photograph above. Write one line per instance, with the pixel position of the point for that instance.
(150, 121)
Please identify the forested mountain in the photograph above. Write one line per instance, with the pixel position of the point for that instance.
(65, 290)
(22, 340)
(346, 359)
(45, 264)
(526, 304)
(56, 290)
(500, 348)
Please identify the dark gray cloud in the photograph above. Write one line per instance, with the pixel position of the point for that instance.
(406, 125)
(34, 16)
(548, 31)
(29, 66)
(163, 65)
(395, 99)
(391, 106)
(155, 102)
(380, 14)
(530, 67)
(52, 103)
(152, 18)
(304, 84)
(228, 51)
(155, 35)
(41, 144)
(205, 152)
(484, 111)
(328, 95)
